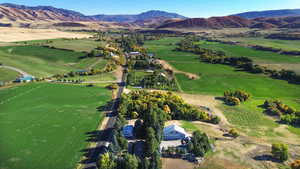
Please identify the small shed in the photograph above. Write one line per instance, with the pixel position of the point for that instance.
(25, 79)
(174, 132)
(128, 131)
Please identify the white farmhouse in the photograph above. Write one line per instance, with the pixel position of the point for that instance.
(174, 132)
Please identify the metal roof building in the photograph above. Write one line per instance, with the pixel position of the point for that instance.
(174, 132)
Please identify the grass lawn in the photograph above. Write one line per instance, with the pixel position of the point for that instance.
(43, 61)
(215, 79)
(44, 125)
(7, 75)
(288, 45)
(80, 45)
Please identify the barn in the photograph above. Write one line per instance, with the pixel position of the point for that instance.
(174, 132)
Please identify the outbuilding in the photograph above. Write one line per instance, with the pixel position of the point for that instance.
(174, 132)
(25, 79)
(128, 131)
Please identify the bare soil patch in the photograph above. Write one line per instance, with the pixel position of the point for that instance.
(206, 101)
(170, 163)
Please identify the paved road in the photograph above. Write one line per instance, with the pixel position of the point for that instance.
(95, 151)
(23, 73)
(115, 81)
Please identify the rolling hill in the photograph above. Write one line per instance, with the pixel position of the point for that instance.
(214, 22)
(270, 13)
(235, 22)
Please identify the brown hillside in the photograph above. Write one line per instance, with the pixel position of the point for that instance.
(214, 22)
(14, 14)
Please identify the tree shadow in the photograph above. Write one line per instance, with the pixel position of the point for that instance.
(97, 135)
(220, 98)
(92, 154)
(107, 106)
(266, 157)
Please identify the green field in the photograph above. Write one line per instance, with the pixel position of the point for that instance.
(80, 45)
(215, 79)
(43, 61)
(288, 45)
(7, 75)
(257, 55)
(44, 125)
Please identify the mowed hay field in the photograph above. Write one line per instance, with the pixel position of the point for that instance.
(79, 45)
(44, 125)
(215, 79)
(7, 75)
(42, 61)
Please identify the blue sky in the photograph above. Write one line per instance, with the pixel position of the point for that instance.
(190, 8)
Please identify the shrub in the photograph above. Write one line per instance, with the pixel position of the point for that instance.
(295, 164)
(112, 86)
(280, 151)
(234, 133)
(236, 97)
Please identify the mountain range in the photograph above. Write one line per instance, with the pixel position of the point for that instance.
(21, 12)
(25, 16)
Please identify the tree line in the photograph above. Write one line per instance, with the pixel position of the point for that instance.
(286, 113)
(173, 107)
(243, 63)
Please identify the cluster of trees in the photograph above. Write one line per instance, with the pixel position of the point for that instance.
(159, 79)
(125, 161)
(286, 113)
(280, 151)
(131, 42)
(199, 144)
(236, 97)
(187, 44)
(244, 63)
(143, 62)
(137, 104)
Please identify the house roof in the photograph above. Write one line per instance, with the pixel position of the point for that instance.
(174, 128)
(27, 78)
